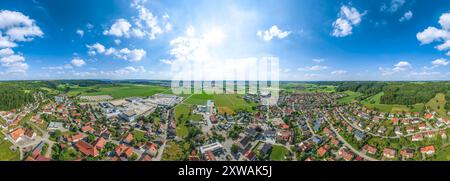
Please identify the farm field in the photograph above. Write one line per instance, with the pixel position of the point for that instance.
(5, 153)
(117, 91)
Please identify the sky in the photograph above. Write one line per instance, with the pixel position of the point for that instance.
(312, 40)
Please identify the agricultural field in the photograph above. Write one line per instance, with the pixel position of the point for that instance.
(117, 91)
(5, 153)
(278, 153)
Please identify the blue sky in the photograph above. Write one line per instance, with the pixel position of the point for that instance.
(312, 39)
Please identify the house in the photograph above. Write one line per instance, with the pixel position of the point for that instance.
(145, 158)
(395, 121)
(100, 143)
(422, 126)
(369, 149)
(87, 129)
(16, 134)
(429, 116)
(124, 150)
(407, 153)
(381, 130)
(152, 148)
(86, 148)
(128, 138)
(321, 151)
(267, 147)
(250, 155)
(398, 131)
(360, 135)
(429, 150)
(410, 129)
(347, 155)
(389, 153)
(75, 138)
(417, 137)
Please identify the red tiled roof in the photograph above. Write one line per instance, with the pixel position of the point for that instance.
(87, 148)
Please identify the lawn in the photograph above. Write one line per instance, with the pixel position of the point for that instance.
(5, 153)
(443, 154)
(138, 135)
(117, 91)
(278, 153)
(438, 104)
(351, 96)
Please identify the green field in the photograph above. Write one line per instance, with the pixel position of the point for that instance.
(373, 102)
(278, 153)
(351, 96)
(438, 104)
(443, 154)
(182, 116)
(5, 153)
(228, 103)
(117, 91)
(293, 87)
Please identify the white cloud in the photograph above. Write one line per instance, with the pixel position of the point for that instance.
(440, 62)
(5, 52)
(399, 67)
(273, 32)
(393, 7)
(318, 60)
(347, 18)
(121, 27)
(440, 35)
(117, 41)
(95, 48)
(133, 55)
(129, 70)
(165, 61)
(15, 27)
(80, 32)
(313, 68)
(339, 72)
(444, 21)
(78, 62)
(18, 27)
(407, 16)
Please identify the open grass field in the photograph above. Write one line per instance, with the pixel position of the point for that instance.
(373, 102)
(278, 153)
(351, 96)
(182, 116)
(117, 91)
(438, 104)
(306, 87)
(443, 154)
(5, 153)
(228, 103)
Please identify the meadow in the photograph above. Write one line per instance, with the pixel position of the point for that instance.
(278, 153)
(5, 153)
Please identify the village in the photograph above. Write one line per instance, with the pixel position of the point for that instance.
(301, 127)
